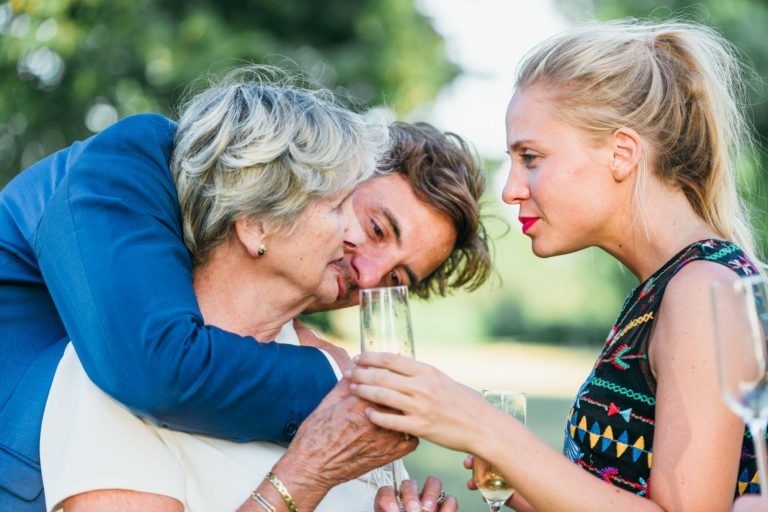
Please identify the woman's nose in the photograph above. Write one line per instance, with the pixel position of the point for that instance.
(353, 231)
(516, 188)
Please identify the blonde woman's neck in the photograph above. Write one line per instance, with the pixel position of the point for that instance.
(668, 224)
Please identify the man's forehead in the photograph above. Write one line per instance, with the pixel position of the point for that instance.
(386, 185)
(426, 236)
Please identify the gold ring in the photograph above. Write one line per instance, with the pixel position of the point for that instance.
(441, 497)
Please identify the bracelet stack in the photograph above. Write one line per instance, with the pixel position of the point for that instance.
(283, 490)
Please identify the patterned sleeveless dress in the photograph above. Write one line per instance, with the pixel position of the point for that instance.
(610, 427)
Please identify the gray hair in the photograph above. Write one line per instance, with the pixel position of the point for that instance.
(263, 148)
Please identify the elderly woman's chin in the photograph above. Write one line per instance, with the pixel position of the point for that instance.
(328, 291)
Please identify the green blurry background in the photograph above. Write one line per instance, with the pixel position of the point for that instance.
(69, 68)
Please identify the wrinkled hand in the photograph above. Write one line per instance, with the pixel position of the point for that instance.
(309, 338)
(751, 504)
(433, 405)
(337, 442)
(412, 500)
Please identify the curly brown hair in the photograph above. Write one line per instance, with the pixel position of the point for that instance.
(445, 173)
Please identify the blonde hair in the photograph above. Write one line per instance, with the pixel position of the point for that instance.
(680, 85)
(256, 146)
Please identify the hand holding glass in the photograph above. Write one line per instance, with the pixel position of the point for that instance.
(494, 488)
(740, 315)
(385, 326)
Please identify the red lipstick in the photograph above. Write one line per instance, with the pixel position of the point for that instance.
(527, 223)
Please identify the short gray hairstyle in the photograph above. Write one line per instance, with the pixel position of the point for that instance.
(257, 146)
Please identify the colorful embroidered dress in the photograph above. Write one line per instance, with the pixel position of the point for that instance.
(610, 426)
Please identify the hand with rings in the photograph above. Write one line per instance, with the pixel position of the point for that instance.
(431, 498)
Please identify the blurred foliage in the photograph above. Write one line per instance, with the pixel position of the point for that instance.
(71, 67)
(742, 22)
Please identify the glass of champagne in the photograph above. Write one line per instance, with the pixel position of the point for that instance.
(740, 315)
(385, 326)
(385, 320)
(494, 488)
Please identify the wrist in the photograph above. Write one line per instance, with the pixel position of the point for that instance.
(305, 487)
(482, 440)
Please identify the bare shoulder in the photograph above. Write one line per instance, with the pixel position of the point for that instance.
(684, 318)
(691, 284)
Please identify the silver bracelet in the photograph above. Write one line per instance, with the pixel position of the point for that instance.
(263, 503)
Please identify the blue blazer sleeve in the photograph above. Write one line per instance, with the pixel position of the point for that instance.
(110, 250)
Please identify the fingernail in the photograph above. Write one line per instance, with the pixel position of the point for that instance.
(392, 507)
(413, 506)
(347, 373)
(428, 505)
(352, 387)
(355, 358)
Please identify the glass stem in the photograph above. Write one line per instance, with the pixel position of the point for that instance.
(495, 506)
(397, 478)
(757, 429)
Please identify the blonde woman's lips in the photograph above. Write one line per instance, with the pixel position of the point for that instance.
(527, 223)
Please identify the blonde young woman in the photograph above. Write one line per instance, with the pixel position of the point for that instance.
(623, 136)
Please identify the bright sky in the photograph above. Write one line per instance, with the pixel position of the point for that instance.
(486, 38)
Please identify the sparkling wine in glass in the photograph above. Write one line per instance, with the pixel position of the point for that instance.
(385, 326)
(740, 315)
(385, 320)
(494, 488)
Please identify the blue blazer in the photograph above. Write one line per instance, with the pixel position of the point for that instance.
(91, 250)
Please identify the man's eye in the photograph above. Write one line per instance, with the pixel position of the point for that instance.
(377, 230)
(394, 278)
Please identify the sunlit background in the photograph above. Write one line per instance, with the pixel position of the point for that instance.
(70, 68)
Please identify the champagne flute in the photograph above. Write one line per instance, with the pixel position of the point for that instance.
(740, 315)
(385, 320)
(494, 488)
(385, 326)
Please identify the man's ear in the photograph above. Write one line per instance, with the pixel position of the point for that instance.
(627, 151)
(251, 236)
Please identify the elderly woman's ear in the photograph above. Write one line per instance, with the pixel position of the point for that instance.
(252, 236)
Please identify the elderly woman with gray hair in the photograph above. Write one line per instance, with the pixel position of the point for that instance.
(264, 174)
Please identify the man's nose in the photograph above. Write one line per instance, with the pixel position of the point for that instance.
(371, 271)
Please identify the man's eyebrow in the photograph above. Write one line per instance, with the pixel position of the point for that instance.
(395, 225)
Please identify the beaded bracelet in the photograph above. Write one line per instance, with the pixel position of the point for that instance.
(263, 503)
(283, 490)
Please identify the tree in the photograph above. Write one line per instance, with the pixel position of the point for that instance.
(71, 67)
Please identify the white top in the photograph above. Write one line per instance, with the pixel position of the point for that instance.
(91, 442)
